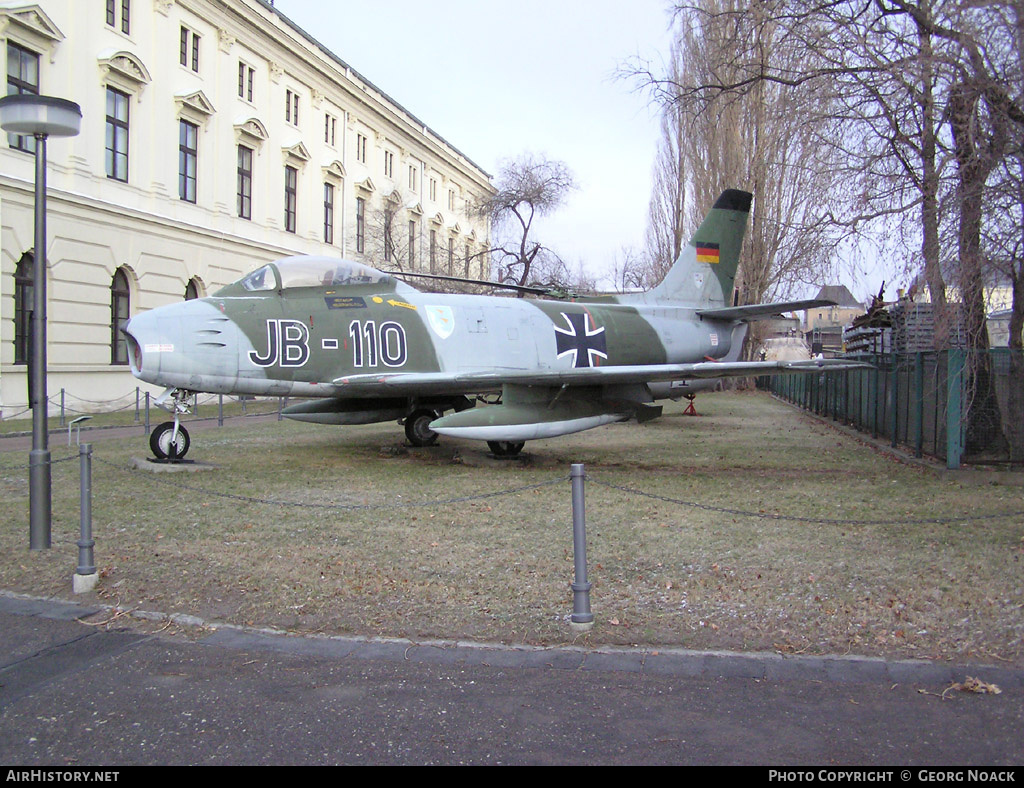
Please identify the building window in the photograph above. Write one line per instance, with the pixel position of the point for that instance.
(113, 6)
(244, 182)
(413, 172)
(451, 199)
(23, 295)
(192, 290)
(246, 77)
(328, 213)
(22, 77)
(433, 189)
(389, 163)
(116, 160)
(291, 193)
(291, 107)
(188, 156)
(433, 251)
(361, 148)
(330, 128)
(360, 225)
(389, 241)
(119, 314)
(188, 51)
(412, 244)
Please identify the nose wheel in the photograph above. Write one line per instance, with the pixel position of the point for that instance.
(169, 441)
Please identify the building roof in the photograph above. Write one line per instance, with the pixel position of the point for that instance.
(268, 6)
(840, 295)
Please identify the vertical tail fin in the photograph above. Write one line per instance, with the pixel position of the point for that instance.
(706, 268)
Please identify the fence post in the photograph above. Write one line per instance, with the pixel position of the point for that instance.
(894, 400)
(954, 407)
(220, 410)
(147, 413)
(919, 403)
(136, 404)
(582, 618)
(62, 406)
(86, 576)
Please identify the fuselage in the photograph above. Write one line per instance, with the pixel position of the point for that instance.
(301, 332)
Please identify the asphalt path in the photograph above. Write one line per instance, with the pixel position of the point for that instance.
(76, 696)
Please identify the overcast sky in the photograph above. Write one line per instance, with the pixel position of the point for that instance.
(498, 79)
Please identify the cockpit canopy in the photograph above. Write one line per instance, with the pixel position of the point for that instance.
(308, 271)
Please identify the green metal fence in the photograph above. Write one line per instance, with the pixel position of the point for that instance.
(948, 404)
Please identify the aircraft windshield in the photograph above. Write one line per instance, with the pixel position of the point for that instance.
(260, 279)
(326, 272)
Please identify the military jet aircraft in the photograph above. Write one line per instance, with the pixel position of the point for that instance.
(360, 346)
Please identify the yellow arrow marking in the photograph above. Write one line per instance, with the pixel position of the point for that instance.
(392, 302)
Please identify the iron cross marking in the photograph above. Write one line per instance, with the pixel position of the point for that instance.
(583, 343)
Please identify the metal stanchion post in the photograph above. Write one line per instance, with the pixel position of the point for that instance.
(582, 618)
(220, 410)
(86, 575)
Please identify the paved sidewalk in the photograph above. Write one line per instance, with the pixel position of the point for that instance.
(76, 695)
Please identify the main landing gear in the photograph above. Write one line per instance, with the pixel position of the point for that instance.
(170, 440)
(417, 427)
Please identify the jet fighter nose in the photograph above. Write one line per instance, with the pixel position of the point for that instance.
(143, 337)
(190, 345)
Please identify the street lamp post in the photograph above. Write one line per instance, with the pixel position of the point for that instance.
(40, 117)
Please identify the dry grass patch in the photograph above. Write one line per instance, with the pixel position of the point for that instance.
(665, 573)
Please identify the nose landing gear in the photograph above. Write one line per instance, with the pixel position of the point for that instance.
(170, 440)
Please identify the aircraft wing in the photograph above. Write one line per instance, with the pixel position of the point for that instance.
(761, 311)
(466, 382)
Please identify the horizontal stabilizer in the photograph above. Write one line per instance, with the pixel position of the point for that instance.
(761, 311)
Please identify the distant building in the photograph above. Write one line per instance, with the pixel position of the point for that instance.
(215, 136)
(823, 327)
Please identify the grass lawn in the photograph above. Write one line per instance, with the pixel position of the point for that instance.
(345, 531)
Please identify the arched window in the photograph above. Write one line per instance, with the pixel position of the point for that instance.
(192, 289)
(23, 295)
(119, 313)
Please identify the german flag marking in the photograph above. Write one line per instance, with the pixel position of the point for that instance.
(707, 253)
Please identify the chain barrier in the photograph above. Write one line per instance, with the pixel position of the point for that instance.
(96, 401)
(6, 468)
(348, 506)
(54, 401)
(803, 519)
(539, 485)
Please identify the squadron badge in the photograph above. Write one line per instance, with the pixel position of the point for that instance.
(441, 320)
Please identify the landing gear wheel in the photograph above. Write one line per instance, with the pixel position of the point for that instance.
(417, 428)
(162, 442)
(505, 448)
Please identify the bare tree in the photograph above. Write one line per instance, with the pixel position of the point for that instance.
(922, 103)
(760, 138)
(527, 188)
